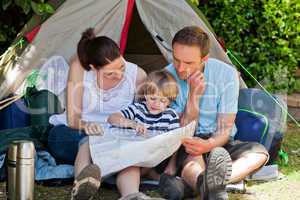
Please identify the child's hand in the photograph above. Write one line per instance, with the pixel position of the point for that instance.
(92, 128)
(141, 129)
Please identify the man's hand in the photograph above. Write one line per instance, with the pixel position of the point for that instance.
(197, 83)
(196, 146)
(91, 128)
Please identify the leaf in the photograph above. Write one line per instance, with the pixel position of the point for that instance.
(196, 2)
(24, 4)
(37, 8)
(6, 4)
(19, 2)
(48, 8)
(2, 37)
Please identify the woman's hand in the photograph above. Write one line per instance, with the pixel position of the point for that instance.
(92, 128)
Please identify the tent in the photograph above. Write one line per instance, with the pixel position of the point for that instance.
(143, 28)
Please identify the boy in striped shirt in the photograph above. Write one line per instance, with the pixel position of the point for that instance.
(151, 111)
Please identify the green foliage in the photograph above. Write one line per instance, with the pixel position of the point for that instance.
(39, 7)
(14, 14)
(263, 34)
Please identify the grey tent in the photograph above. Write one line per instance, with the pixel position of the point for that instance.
(143, 29)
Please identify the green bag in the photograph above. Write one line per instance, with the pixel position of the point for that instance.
(42, 104)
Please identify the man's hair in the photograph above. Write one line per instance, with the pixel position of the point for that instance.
(193, 36)
(158, 82)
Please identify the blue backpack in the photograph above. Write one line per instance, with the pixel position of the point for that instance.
(260, 119)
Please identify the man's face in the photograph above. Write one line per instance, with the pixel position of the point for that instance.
(187, 60)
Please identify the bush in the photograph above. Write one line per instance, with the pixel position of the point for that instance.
(13, 16)
(263, 34)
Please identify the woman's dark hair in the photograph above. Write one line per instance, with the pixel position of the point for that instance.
(98, 51)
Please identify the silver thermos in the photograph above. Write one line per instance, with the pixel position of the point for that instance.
(21, 177)
(12, 171)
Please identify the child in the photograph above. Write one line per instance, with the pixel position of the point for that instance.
(151, 112)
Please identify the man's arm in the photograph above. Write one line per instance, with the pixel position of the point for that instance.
(197, 87)
(222, 135)
(198, 146)
(191, 110)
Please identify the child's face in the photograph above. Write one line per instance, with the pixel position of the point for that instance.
(157, 103)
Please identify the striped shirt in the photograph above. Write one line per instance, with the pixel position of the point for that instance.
(163, 122)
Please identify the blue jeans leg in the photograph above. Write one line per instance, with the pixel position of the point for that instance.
(63, 143)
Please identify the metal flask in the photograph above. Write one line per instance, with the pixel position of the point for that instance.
(25, 171)
(11, 171)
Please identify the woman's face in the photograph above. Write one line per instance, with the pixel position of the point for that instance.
(113, 71)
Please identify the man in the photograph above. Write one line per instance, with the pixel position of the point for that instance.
(208, 93)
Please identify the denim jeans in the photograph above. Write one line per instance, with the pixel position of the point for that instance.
(63, 143)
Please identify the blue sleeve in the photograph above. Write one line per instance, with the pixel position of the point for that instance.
(228, 102)
(175, 105)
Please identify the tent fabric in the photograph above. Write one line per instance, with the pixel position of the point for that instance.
(165, 18)
(60, 33)
(125, 29)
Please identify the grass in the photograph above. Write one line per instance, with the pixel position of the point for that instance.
(287, 188)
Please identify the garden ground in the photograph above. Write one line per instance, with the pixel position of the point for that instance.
(287, 188)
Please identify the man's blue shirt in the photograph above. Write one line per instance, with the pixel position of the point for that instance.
(220, 95)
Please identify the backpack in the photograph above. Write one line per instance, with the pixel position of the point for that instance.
(261, 119)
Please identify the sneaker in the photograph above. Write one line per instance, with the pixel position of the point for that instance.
(266, 173)
(87, 183)
(216, 176)
(139, 196)
(174, 188)
(238, 187)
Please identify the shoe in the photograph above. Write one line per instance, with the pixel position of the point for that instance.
(174, 188)
(87, 183)
(216, 176)
(139, 196)
(238, 187)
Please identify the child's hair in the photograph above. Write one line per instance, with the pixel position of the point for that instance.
(158, 82)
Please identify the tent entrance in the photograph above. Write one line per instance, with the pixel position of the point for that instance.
(141, 48)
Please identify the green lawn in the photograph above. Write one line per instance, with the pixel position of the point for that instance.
(287, 188)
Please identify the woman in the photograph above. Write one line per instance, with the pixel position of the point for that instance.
(100, 82)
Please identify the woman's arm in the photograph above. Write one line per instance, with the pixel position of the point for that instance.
(75, 94)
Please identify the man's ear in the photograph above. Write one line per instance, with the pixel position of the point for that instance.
(205, 58)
